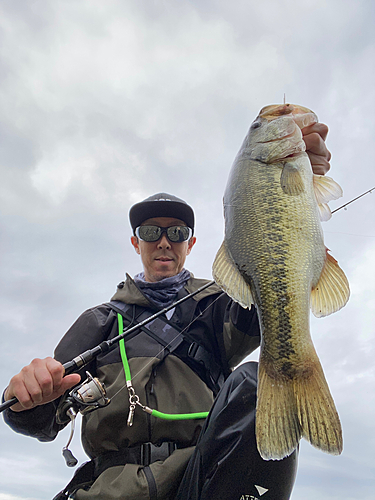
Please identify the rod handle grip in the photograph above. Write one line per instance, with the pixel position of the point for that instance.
(8, 404)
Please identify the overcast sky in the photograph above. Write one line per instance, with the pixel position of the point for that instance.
(104, 103)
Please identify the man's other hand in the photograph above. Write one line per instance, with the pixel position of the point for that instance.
(314, 137)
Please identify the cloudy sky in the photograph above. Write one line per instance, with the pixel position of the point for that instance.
(104, 103)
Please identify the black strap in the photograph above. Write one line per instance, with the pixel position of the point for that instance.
(158, 329)
(152, 487)
(83, 476)
(197, 357)
(202, 362)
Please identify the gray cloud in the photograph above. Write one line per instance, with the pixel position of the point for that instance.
(105, 104)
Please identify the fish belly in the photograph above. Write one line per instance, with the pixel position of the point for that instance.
(276, 242)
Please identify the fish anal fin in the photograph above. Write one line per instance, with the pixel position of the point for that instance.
(332, 290)
(291, 180)
(228, 277)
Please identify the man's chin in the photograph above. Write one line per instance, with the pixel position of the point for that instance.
(161, 278)
(161, 275)
(165, 269)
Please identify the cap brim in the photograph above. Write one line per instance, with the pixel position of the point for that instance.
(151, 209)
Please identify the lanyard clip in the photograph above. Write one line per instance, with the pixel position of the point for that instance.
(133, 402)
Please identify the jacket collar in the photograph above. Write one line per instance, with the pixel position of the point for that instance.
(128, 292)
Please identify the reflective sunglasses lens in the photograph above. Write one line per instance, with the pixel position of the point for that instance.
(175, 234)
(178, 234)
(148, 233)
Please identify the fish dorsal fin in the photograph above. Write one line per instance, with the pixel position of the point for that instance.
(291, 180)
(325, 189)
(332, 291)
(228, 277)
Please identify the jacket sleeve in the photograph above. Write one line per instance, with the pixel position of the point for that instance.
(241, 333)
(38, 422)
(88, 331)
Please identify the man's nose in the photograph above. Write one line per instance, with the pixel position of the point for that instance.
(164, 242)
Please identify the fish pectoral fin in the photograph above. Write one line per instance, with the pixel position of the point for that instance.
(291, 180)
(324, 212)
(228, 277)
(332, 291)
(325, 189)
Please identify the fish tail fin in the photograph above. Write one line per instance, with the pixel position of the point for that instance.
(317, 412)
(278, 430)
(289, 409)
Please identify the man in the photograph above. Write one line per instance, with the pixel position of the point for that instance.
(176, 365)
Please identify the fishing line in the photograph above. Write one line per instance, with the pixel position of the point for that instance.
(350, 234)
(212, 303)
(197, 317)
(171, 342)
(202, 312)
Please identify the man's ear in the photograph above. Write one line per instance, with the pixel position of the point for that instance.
(135, 243)
(191, 243)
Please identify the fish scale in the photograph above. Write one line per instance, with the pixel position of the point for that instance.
(270, 274)
(273, 256)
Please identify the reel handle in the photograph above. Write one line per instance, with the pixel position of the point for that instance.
(70, 459)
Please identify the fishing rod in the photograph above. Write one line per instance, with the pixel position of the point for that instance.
(354, 199)
(86, 357)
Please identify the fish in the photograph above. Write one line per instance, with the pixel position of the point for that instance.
(273, 257)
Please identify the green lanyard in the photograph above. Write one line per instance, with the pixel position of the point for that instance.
(134, 399)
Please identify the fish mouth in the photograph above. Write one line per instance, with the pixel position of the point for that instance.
(276, 110)
(301, 115)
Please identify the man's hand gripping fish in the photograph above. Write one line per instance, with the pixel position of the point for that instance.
(273, 256)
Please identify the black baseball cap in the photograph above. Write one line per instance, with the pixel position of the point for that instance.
(161, 205)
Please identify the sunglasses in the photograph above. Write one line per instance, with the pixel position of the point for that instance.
(175, 234)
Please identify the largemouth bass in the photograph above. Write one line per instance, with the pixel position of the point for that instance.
(273, 256)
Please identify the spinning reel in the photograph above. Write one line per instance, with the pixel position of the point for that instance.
(84, 398)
